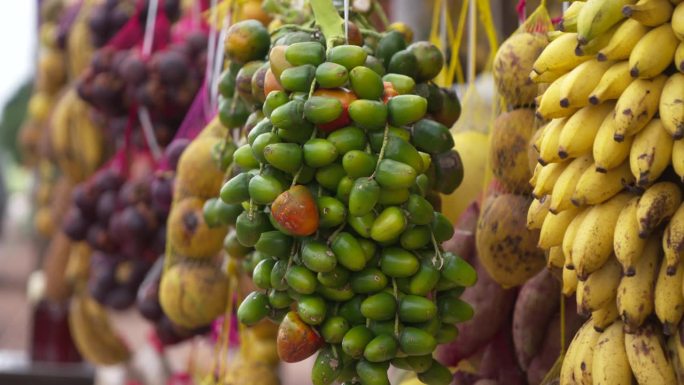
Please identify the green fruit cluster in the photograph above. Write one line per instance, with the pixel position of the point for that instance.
(334, 196)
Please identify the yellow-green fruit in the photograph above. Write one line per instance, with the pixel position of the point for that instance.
(189, 236)
(513, 64)
(198, 173)
(507, 249)
(508, 157)
(193, 294)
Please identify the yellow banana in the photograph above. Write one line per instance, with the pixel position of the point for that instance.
(605, 316)
(578, 133)
(623, 41)
(569, 281)
(578, 84)
(653, 53)
(548, 76)
(554, 226)
(612, 84)
(637, 105)
(548, 150)
(600, 289)
(651, 153)
(594, 187)
(651, 13)
(93, 333)
(649, 362)
(635, 293)
(627, 243)
(566, 183)
(535, 173)
(567, 373)
(611, 366)
(658, 203)
(669, 301)
(549, 107)
(593, 243)
(555, 258)
(679, 57)
(673, 240)
(678, 158)
(597, 16)
(675, 346)
(678, 21)
(671, 107)
(569, 21)
(584, 355)
(607, 152)
(547, 178)
(559, 55)
(595, 45)
(569, 237)
(539, 209)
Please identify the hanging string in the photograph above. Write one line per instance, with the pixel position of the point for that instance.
(346, 21)
(472, 41)
(143, 113)
(211, 52)
(149, 27)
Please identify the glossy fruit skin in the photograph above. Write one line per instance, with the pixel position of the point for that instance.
(311, 309)
(366, 83)
(406, 109)
(388, 225)
(401, 83)
(274, 244)
(348, 251)
(359, 163)
(331, 75)
(379, 307)
(274, 100)
(349, 56)
(432, 137)
(369, 114)
(346, 98)
(253, 308)
(249, 227)
(391, 43)
(363, 196)
(398, 263)
(296, 340)
(405, 63)
(246, 41)
(298, 79)
(355, 340)
(381, 348)
(319, 152)
(372, 373)
(326, 368)
(322, 110)
(301, 279)
(368, 280)
(296, 212)
(233, 112)
(331, 212)
(416, 342)
(429, 59)
(305, 53)
(244, 81)
(395, 175)
(318, 257)
(334, 328)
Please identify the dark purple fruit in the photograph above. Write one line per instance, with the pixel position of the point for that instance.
(106, 206)
(133, 69)
(161, 190)
(85, 199)
(120, 298)
(172, 67)
(74, 225)
(174, 151)
(99, 239)
(148, 293)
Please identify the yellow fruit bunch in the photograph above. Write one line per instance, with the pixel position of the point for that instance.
(607, 184)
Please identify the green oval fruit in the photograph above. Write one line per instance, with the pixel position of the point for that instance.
(330, 176)
(368, 280)
(249, 227)
(284, 156)
(322, 109)
(447, 333)
(342, 294)
(233, 112)
(253, 308)
(247, 40)
(227, 83)
(301, 279)
(331, 212)
(453, 310)
(376, 138)
(393, 196)
(279, 299)
(244, 157)
(413, 308)
(264, 189)
(351, 311)
(368, 114)
(319, 152)
(420, 211)
(358, 164)
(398, 263)
(349, 56)
(311, 309)
(348, 139)
(334, 328)
(395, 175)
(437, 375)
(236, 190)
(261, 276)
(406, 109)
(369, 248)
(336, 278)
(389, 225)
(243, 81)
(274, 244)
(425, 279)
(430, 60)
(274, 100)
(402, 84)
(362, 224)
(402, 151)
(415, 238)
(327, 367)
(416, 342)
(403, 62)
(233, 248)
(432, 137)
(381, 348)
(442, 228)
(298, 79)
(331, 75)
(318, 257)
(371, 373)
(348, 251)
(363, 196)
(309, 52)
(278, 280)
(344, 188)
(289, 116)
(379, 307)
(365, 83)
(355, 340)
(458, 270)
(262, 141)
(391, 43)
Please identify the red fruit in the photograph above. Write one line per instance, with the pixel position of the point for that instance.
(296, 340)
(345, 97)
(390, 92)
(296, 212)
(271, 83)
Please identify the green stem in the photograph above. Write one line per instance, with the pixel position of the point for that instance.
(329, 20)
(396, 315)
(385, 139)
(377, 9)
(293, 27)
(438, 253)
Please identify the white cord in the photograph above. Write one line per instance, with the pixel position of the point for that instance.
(211, 53)
(346, 21)
(218, 62)
(149, 27)
(471, 40)
(148, 131)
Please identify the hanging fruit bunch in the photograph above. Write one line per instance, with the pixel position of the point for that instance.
(333, 190)
(609, 185)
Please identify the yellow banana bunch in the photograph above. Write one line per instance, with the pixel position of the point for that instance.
(627, 243)
(546, 179)
(647, 358)
(678, 21)
(609, 153)
(569, 21)
(651, 13)
(597, 16)
(656, 206)
(600, 289)
(635, 293)
(539, 209)
(671, 108)
(612, 84)
(569, 282)
(548, 148)
(93, 333)
(566, 183)
(594, 46)
(651, 153)
(577, 84)
(578, 132)
(673, 240)
(555, 258)
(637, 105)
(675, 346)
(549, 106)
(669, 301)
(594, 187)
(554, 226)
(605, 316)
(653, 53)
(579, 359)
(678, 158)
(569, 238)
(593, 243)
(611, 366)
(679, 57)
(558, 57)
(623, 41)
